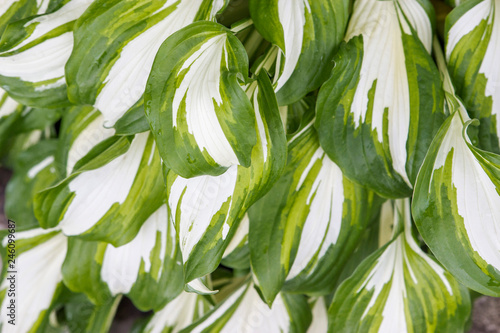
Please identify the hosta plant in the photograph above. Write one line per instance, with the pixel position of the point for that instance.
(249, 165)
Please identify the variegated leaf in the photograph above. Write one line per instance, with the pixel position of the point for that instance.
(199, 111)
(39, 255)
(147, 269)
(456, 206)
(10, 112)
(379, 110)
(23, 127)
(472, 52)
(178, 314)
(34, 171)
(33, 53)
(82, 129)
(244, 311)
(400, 288)
(308, 33)
(454, 3)
(308, 225)
(8, 106)
(319, 316)
(114, 189)
(82, 315)
(199, 286)
(237, 254)
(206, 209)
(13, 10)
(115, 45)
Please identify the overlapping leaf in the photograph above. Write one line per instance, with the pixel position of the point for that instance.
(456, 206)
(308, 225)
(13, 10)
(33, 53)
(237, 254)
(399, 289)
(195, 102)
(10, 112)
(115, 45)
(308, 33)
(39, 255)
(379, 110)
(82, 129)
(111, 193)
(244, 311)
(319, 316)
(178, 314)
(207, 209)
(472, 52)
(148, 269)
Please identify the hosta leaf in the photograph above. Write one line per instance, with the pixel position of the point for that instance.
(110, 196)
(308, 225)
(33, 53)
(319, 317)
(13, 10)
(177, 314)
(458, 187)
(39, 256)
(379, 110)
(195, 102)
(10, 112)
(207, 209)
(399, 288)
(199, 286)
(34, 171)
(472, 52)
(133, 121)
(244, 311)
(82, 128)
(308, 33)
(82, 268)
(22, 127)
(147, 269)
(115, 45)
(237, 254)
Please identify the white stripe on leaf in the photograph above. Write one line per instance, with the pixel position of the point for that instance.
(196, 201)
(126, 81)
(247, 313)
(45, 60)
(177, 314)
(384, 70)
(240, 236)
(325, 200)
(399, 277)
(40, 166)
(198, 286)
(200, 91)
(120, 266)
(7, 105)
(39, 274)
(484, 12)
(87, 139)
(320, 317)
(292, 18)
(96, 191)
(477, 199)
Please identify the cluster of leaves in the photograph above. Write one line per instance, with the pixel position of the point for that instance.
(313, 160)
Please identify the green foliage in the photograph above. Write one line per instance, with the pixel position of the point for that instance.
(249, 165)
